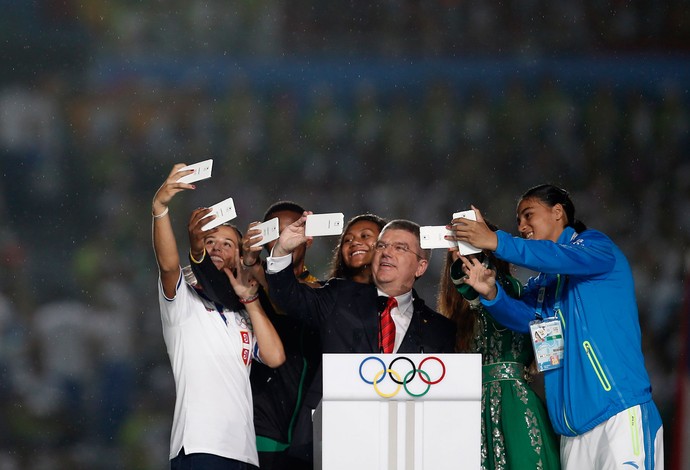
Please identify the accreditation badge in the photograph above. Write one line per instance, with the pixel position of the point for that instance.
(547, 340)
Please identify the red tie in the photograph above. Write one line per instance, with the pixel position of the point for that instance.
(387, 326)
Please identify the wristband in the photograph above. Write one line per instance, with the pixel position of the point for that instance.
(191, 256)
(161, 215)
(249, 299)
(249, 265)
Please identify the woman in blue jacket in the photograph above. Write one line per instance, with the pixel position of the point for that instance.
(597, 389)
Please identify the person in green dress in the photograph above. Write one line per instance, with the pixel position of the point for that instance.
(516, 431)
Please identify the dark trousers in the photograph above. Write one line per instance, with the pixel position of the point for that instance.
(282, 461)
(207, 462)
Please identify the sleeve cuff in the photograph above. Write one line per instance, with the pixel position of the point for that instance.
(499, 294)
(276, 264)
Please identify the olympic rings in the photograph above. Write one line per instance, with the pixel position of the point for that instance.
(395, 375)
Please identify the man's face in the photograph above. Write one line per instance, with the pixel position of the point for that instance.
(397, 261)
(221, 247)
(285, 218)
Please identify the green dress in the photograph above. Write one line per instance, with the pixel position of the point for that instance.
(516, 431)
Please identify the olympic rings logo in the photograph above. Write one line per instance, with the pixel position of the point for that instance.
(402, 375)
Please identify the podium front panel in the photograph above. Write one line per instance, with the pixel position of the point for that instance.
(402, 377)
(399, 412)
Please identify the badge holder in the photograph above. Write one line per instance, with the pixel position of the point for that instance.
(547, 334)
(547, 340)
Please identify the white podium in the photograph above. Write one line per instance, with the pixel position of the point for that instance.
(399, 412)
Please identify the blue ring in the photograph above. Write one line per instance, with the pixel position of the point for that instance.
(383, 366)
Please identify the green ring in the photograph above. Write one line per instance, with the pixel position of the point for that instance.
(428, 384)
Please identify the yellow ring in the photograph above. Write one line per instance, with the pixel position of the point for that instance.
(379, 374)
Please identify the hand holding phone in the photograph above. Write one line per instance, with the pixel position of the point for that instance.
(464, 247)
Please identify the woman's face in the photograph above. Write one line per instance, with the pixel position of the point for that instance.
(538, 221)
(222, 246)
(357, 247)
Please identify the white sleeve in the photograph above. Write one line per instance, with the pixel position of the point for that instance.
(176, 310)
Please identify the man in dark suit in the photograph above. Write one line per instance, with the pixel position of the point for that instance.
(347, 314)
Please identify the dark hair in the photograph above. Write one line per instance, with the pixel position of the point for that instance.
(552, 195)
(280, 206)
(338, 268)
(408, 226)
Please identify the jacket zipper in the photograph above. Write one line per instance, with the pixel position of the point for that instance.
(596, 366)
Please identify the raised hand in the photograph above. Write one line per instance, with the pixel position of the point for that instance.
(196, 234)
(164, 244)
(292, 236)
(250, 253)
(481, 278)
(242, 281)
(169, 188)
(476, 233)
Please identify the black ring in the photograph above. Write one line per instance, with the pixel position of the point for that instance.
(404, 382)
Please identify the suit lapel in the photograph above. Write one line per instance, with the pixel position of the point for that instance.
(412, 342)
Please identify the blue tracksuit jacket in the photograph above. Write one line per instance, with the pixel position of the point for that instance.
(603, 369)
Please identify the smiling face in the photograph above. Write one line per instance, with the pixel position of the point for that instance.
(538, 221)
(357, 247)
(222, 245)
(398, 263)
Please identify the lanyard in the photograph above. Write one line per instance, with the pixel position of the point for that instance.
(557, 299)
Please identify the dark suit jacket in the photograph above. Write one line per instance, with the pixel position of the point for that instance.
(346, 315)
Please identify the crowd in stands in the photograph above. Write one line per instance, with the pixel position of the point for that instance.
(83, 368)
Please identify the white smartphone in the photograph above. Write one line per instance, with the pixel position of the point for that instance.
(324, 224)
(224, 211)
(432, 236)
(202, 171)
(269, 231)
(464, 247)
(469, 214)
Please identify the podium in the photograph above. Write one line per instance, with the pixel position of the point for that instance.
(399, 412)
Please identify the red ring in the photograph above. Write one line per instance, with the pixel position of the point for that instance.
(429, 382)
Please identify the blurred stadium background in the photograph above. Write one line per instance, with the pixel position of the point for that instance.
(404, 108)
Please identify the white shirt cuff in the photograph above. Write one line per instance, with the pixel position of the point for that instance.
(276, 264)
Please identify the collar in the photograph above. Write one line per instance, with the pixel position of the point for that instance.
(567, 236)
(404, 302)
